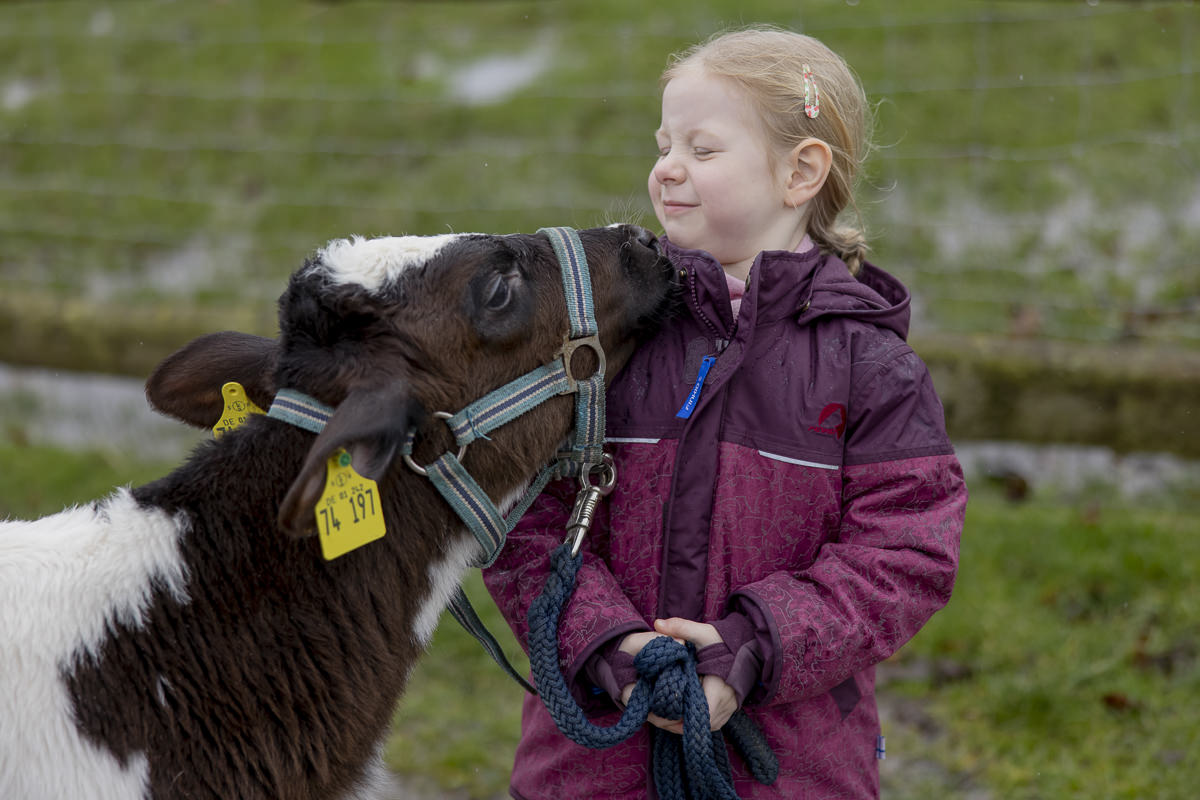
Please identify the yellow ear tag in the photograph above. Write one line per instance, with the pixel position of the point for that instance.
(348, 513)
(238, 408)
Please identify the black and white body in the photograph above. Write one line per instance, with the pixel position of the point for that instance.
(186, 639)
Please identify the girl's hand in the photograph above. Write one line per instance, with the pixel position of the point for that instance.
(633, 644)
(723, 702)
(682, 630)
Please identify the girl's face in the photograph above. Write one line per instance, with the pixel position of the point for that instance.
(717, 185)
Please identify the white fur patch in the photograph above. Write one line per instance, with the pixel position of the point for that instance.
(447, 575)
(444, 577)
(376, 782)
(372, 263)
(64, 580)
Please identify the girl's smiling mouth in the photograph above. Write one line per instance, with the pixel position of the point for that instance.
(677, 206)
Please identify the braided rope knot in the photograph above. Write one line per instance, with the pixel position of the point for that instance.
(669, 667)
(694, 766)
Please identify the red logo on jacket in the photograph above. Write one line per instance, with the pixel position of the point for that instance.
(832, 421)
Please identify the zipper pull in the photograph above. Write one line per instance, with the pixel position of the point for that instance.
(694, 396)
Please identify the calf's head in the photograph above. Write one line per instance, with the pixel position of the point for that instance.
(388, 330)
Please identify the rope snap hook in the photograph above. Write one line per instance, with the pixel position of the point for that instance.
(588, 499)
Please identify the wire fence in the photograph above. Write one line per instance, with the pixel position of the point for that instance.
(1037, 171)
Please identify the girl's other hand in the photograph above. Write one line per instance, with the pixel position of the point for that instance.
(722, 700)
(633, 644)
(682, 630)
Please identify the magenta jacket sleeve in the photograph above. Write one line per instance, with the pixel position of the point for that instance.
(598, 611)
(894, 559)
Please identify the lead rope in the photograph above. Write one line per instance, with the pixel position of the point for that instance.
(694, 766)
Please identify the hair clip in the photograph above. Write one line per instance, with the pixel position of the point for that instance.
(812, 98)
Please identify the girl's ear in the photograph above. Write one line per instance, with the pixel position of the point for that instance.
(807, 167)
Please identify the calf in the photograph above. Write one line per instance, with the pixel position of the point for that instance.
(185, 639)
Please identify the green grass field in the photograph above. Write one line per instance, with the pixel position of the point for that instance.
(1036, 163)
(1066, 665)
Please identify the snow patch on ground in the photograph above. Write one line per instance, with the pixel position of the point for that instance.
(17, 94)
(493, 79)
(83, 411)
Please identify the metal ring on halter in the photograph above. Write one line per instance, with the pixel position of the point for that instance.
(568, 352)
(421, 470)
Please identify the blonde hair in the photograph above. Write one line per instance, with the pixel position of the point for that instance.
(767, 63)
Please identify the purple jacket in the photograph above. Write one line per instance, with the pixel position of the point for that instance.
(810, 506)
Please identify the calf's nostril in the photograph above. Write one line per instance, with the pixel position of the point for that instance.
(647, 238)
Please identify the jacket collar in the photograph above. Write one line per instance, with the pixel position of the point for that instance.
(805, 286)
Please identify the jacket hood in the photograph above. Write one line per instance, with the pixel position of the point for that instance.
(808, 285)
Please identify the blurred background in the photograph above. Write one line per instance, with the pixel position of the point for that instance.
(1036, 183)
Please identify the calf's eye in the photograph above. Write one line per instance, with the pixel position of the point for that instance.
(498, 294)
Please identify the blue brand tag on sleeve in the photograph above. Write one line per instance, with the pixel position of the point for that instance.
(694, 396)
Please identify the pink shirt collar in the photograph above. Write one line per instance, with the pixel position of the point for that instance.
(737, 288)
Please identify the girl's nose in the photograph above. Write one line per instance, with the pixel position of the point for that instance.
(667, 170)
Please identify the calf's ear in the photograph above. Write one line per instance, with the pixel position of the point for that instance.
(187, 384)
(371, 423)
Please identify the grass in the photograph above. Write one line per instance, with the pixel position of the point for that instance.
(165, 152)
(457, 725)
(36, 481)
(1066, 665)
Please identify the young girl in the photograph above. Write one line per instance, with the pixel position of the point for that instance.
(787, 499)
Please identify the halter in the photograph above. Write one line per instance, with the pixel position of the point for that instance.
(585, 458)
(517, 397)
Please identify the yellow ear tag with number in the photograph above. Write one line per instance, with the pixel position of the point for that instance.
(238, 408)
(348, 513)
